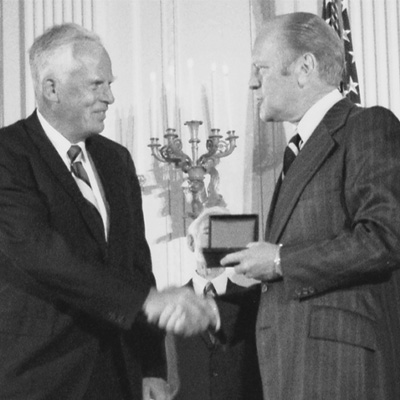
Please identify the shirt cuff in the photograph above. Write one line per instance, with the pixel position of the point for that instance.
(277, 261)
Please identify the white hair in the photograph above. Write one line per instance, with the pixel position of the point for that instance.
(53, 51)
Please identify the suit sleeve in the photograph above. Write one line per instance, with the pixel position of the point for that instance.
(38, 256)
(366, 249)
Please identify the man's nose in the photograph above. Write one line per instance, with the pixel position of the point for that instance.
(107, 95)
(254, 82)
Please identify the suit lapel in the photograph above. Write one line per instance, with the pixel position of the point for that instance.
(273, 206)
(110, 173)
(319, 146)
(57, 167)
(232, 287)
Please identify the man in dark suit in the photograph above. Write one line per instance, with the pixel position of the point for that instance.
(222, 366)
(328, 322)
(75, 272)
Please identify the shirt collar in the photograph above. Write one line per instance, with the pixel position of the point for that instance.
(316, 113)
(220, 283)
(60, 142)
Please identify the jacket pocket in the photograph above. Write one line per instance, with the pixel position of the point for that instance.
(329, 323)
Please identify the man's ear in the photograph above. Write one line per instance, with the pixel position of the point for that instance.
(49, 87)
(307, 65)
(190, 242)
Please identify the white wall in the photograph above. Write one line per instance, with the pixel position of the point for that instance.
(153, 36)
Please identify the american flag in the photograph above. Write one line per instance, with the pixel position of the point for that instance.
(332, 10)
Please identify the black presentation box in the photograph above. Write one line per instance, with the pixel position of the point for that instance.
(227, 234)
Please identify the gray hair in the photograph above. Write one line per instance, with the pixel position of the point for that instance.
(302, 33)
(55, 48)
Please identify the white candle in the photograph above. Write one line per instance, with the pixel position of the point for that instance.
(153, 111)
(206, 109)
(227, 93)
(164, 108)
(171, 97)
(214, 111)
(190, 65)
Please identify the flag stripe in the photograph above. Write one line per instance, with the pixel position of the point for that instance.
(330, 13)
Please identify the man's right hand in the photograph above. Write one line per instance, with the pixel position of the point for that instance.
(180, 311)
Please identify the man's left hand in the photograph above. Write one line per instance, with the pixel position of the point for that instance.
(256, 262)
(155, 389)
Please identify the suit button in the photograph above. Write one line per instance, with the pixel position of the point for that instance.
(264, 287)
(215, 374)
(311, 290)
(298, 292)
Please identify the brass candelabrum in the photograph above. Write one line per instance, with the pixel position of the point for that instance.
(196, 167)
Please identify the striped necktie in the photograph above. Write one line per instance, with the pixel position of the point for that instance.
(83, 182)
(209, 291)
(291, 152)
(76, 166)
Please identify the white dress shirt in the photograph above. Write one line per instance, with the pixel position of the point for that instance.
(220, 283)
(315, 114)
(62, 145)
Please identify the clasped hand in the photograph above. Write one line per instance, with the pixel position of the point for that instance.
(180, 311)
(256, 262)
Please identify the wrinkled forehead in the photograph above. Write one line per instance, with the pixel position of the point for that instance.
(92, 55)
(268, 44)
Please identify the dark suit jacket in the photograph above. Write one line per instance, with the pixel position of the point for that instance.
(330, 329)
(70, 302)
(228, 368)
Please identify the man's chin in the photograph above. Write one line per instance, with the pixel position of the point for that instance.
(100, 127)
(266, 117)
(97, 129)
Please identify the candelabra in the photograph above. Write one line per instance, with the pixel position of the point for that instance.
(195, 167)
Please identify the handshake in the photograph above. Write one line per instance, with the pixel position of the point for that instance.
(180, 311)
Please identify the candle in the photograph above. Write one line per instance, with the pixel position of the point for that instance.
(171, 97)
(214, 96)
(167, 103)
(153, 106)
(190, 64)
(206, 109)
(164, 108)
(225, 71)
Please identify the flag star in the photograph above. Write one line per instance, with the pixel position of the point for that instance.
(352, 56)
(346, 34)
(352, 86)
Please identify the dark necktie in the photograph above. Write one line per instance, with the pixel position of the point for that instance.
(84, 184)
(291, 152)
(76, 166)
(209, 290)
